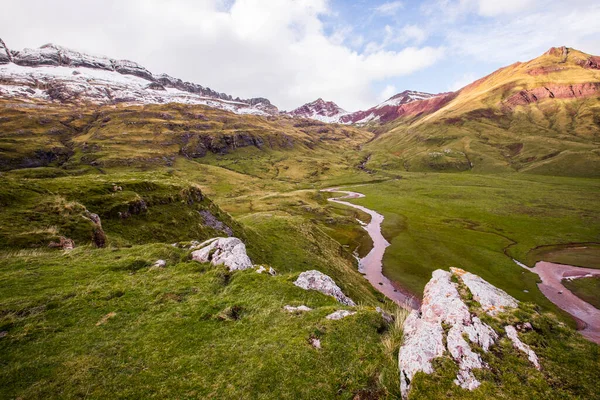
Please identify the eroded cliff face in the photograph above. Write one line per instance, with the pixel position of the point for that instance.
(580, 90)
(448, 323)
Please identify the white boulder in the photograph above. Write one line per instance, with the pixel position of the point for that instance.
(293, 309)
(339, 314)
(229, 251)
(315, 280)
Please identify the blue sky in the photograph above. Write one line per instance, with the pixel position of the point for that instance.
(444, 24)
(356, 53)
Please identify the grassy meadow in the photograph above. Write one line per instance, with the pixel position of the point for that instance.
(587, 289)
(480, 222)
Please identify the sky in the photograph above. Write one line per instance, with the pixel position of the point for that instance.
(355, 53)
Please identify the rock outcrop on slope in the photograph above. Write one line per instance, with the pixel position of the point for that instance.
(445, 322)
(315, 280)
(229, 251)
(56, 73)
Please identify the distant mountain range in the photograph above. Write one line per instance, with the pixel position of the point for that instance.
(55, 73)
(58, 74)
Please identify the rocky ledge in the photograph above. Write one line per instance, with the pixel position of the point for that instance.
(445, 322)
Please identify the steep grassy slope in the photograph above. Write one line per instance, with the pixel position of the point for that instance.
(542, 117)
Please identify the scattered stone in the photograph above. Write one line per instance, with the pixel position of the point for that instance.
(64, 244)
(492, 299)
(315, 280)
(212, 222)
(388, 318)
(270, 270)
(230, 252)
(98, 236)
(301, 308)
(159, 264)
(3, 334)
(511, 332)
(315, 342)
(105, 319)
(339, 314)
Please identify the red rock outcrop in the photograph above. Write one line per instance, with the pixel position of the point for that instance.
(534, 95)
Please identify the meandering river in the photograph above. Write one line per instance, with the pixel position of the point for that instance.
(552, 275)
(371, 266)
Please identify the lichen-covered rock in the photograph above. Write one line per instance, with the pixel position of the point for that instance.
(481, 333)
(315, 280)
(442, 304)
(465, 357)
(230, 252)
(511, 332)
(423, 341)
(339, 314)
(492, 299)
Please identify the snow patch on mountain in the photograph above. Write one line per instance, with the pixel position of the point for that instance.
(55, 73)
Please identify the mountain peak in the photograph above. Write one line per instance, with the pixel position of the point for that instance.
(320, 110)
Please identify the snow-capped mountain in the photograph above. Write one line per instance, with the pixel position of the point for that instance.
(386, 111)
(328, 111)
(320, 110)
(55, 73)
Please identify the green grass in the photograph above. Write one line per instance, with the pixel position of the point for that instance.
(100, 323)
(582, 255)
(587, 289)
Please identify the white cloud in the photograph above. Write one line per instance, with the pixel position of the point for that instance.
(387, 92)
(272, 48)
(413, 33)
(491, 8)
(389, 8)
(529, 35)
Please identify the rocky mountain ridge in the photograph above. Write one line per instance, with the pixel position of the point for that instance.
(389, 110)
(320, 110)
(57, 73)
